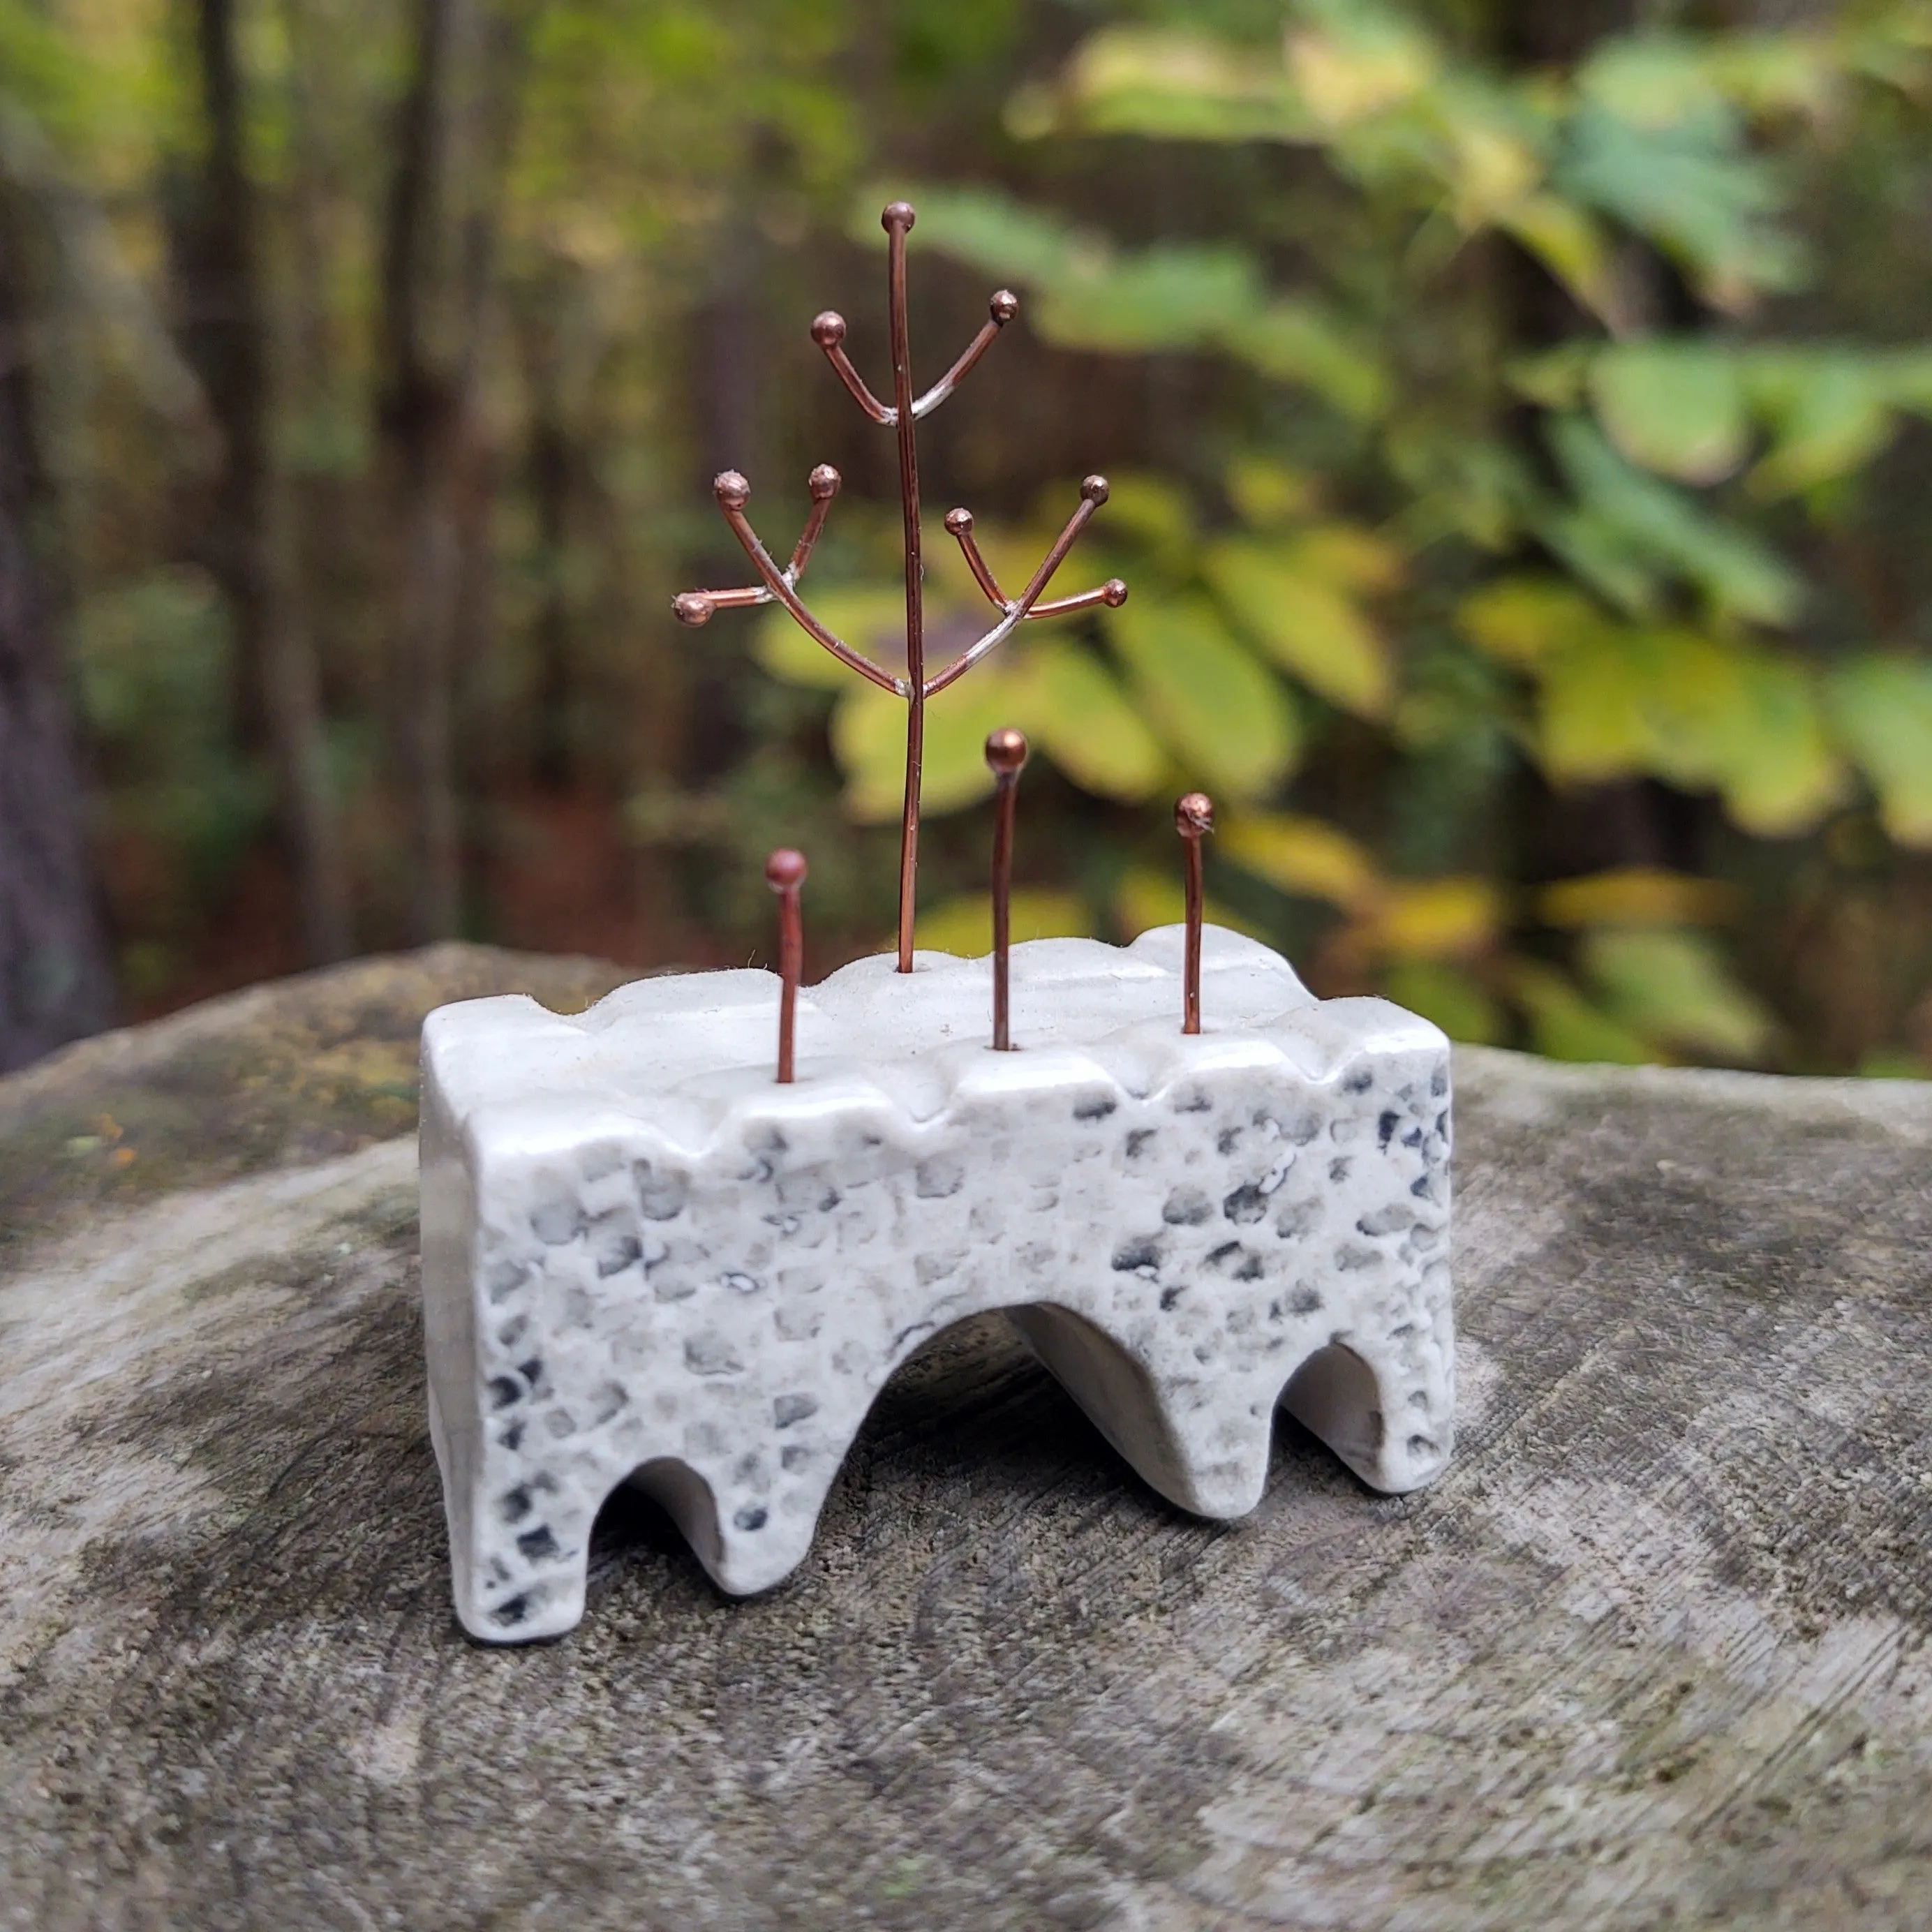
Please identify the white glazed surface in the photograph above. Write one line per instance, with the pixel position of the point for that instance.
(642, 1258)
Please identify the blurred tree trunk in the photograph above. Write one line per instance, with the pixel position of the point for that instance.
(225, 337)
(452, 145)
(55, 982)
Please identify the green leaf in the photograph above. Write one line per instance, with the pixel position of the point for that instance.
(871, 621)
(1163, 297)
(1674, 986)
(1072, 707)
(1629, 527)
(1564, 1025)
(1308, 625)
(1295, 342)
(1447, 995)
(980, 226)
(964, 926)
(1676, 407)
(1177, 85)
(1882, 705)
(1679, 171)
(1829, 412)
(1225, 717)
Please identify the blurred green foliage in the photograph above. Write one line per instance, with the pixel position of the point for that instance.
(1517, 429)
(1611, 540)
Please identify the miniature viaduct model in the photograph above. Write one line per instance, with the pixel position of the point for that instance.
(646, 1259)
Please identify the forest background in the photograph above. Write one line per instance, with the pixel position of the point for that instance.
(1516, 415)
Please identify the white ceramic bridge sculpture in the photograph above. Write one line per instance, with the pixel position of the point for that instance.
(644, 1260)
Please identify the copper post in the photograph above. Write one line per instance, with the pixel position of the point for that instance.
(784, 873)
(1005, 753)
(897, 221)
(1193, 815)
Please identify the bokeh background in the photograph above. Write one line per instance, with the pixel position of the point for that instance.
(1517, 415)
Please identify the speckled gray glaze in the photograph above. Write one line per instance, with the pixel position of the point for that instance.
(643, 1258)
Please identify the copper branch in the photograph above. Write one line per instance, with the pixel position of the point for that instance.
(1093, 494)
(695, 606)
(828, 330)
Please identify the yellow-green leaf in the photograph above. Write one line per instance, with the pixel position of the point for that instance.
(1883, 708)
(1634, 895)
(872, 621)
(1307, 624)
(1525, 620)
(1348, 555)
(1303, 856)
(1674, 986)
(1780, 773)
(1830, 410)
(1447, 995)
(1675, 407)
(1073, 709)
(1144, 899)
(1359, 63)
(1593, 723)
(868, 741)
(1436, 918)
(1572, 244)
(1227, 719)
(964, 926)
(1268, 495)
(1564, 1025)
(869, 744)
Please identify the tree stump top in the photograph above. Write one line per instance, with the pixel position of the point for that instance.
(1653, 1647)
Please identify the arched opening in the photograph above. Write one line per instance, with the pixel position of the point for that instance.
(1116, 1394)
(1333, 1395)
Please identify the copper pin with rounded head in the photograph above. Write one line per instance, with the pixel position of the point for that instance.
(784, 873)
(1193, 817)
(1005, 753)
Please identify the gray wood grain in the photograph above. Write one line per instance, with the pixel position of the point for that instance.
(1654, 1652)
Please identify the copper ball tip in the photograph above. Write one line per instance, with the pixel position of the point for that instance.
(896, 214)
(731, 490)
(1193, 815)
(1005, 750)
(1094, 489)
(693, 607)
(823, 482)
(1004, 306)
(828, 328)
(958, 523)
(1113, 593)
(785, 869)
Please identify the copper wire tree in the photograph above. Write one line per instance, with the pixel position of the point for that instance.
(902, 414)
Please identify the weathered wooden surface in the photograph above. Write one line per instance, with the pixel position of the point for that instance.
(1654, 1651)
